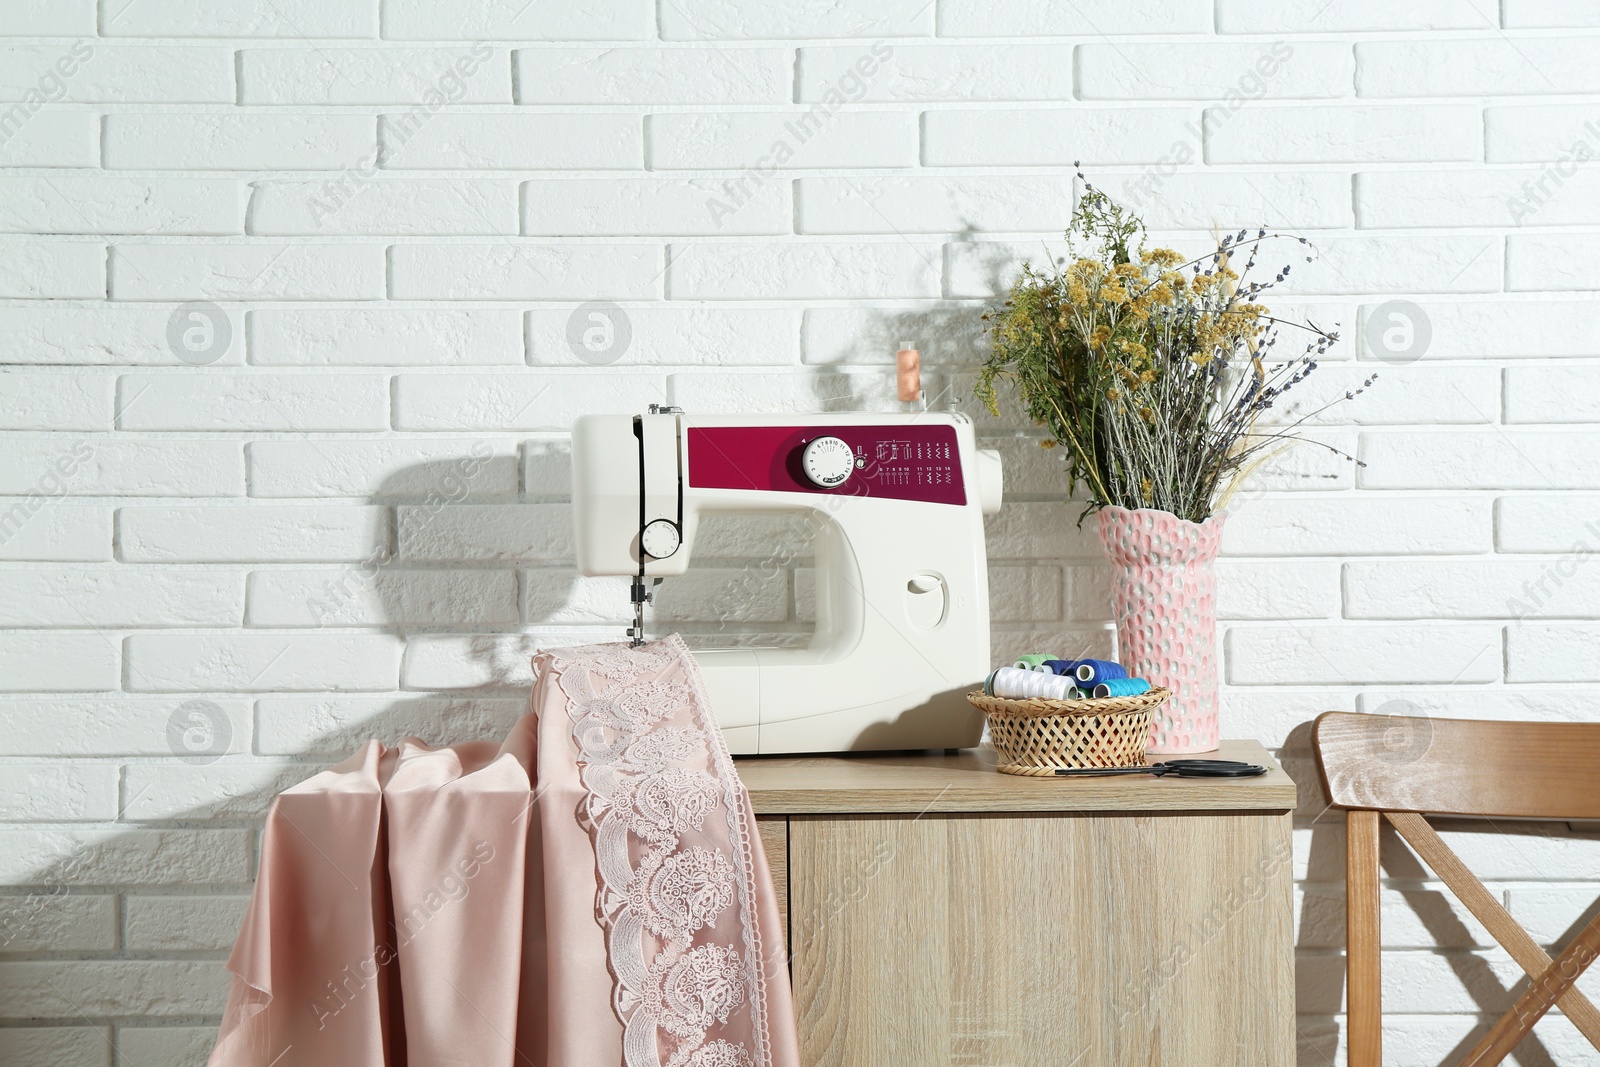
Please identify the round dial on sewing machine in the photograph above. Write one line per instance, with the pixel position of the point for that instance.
(827, 461)
(660, 538)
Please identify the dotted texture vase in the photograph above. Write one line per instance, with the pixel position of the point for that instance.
(1164, 598)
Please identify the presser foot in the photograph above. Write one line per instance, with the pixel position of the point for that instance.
(640, 596)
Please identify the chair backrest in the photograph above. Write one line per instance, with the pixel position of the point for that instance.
(1396, 768)
(1528, 770)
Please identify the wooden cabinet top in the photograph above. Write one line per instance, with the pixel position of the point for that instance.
(968, 782)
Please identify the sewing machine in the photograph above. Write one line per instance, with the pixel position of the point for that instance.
(896, 505)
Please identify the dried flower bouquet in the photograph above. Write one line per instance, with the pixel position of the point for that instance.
(1155, 373)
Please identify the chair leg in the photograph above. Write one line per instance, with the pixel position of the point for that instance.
(1538, 998)
(1363, 973)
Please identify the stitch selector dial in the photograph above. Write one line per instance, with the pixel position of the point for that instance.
(827, 461)
(660, 538)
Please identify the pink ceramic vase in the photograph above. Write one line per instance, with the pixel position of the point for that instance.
(1164, 598)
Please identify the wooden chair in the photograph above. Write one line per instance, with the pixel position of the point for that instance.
(1400, 768)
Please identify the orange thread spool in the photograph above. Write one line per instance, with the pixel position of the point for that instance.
(908, 373)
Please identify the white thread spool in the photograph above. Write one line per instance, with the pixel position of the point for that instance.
(1014, 684)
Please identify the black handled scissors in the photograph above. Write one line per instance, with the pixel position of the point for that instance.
(1183, 768)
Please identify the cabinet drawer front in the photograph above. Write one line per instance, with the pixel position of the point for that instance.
(990, 939)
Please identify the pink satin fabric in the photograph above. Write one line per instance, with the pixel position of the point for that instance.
(591, 892)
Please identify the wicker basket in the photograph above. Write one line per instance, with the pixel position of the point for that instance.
(1036, 736)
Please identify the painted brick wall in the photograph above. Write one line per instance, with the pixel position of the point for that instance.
(290, 313)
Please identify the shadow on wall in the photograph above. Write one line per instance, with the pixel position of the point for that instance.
(949, 334)
(466, 552)
(184, 852)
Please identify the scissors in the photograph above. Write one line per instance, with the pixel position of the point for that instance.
(1183, 768)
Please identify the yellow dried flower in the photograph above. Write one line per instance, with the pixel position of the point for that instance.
(1086, 271)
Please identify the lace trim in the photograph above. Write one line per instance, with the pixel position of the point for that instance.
(673, 847)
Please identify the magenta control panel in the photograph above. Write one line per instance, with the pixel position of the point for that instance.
(905, 462)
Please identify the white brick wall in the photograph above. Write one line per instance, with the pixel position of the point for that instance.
(343, 513)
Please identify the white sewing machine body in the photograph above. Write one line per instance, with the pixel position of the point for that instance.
(896, 503)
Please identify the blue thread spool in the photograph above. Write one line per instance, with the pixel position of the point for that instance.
(1068, 667)
(1094, 671)
(1122, 687)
